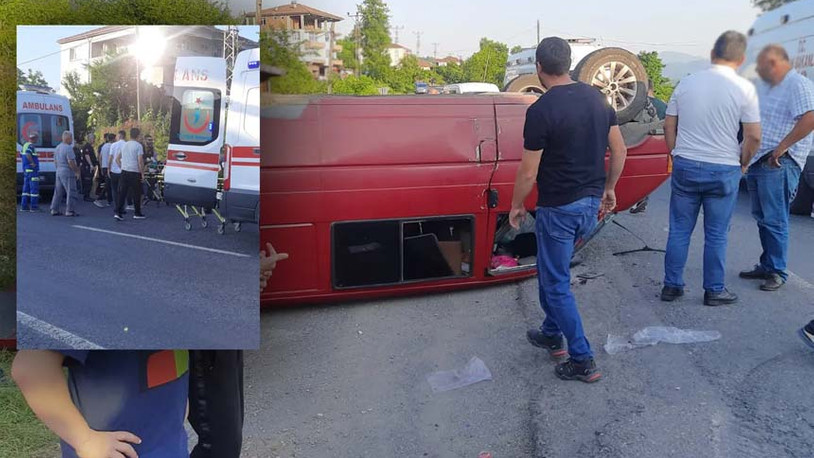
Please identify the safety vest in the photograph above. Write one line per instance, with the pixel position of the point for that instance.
(26, 166)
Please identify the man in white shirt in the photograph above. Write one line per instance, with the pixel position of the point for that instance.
(103, 177)
(131, 160)
(701, 128)
(115, 169)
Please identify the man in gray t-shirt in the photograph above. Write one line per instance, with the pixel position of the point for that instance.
(67, 173)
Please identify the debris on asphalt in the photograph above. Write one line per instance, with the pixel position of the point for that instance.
(652, 335)
(475, 371)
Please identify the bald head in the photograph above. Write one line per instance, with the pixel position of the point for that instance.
(773, 64)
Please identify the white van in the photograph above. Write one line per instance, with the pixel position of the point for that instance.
(792, 26)
(470, 88)
(49, 115)
(203, 126)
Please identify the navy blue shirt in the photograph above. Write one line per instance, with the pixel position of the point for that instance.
(570, 124)
(141, 392)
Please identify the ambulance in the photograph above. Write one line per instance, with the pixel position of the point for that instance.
(48, 114)
(791, 26)
(213, 157)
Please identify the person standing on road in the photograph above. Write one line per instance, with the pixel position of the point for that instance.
(787, 111)
(661, 107)
(103, 177)
(566, 135)
(88, 165)
(66, 176)
(31, 175)
(703, 119)
(131, 161)
(115, 170)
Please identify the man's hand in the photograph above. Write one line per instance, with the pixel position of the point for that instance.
(608, 202)
(268, 262)
(774, 161)
(99, 444)
(516, 216)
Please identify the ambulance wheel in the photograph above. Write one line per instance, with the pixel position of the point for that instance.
(187, 225)
(204, 223)
(222, 229)
(238, 226)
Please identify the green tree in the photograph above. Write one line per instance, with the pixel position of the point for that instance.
(653, 65)
(353, 85)
(516, 49)
(488, 65)
(33, 78)
(349, 52)
(375, 29)
(402, 78)
(278, 49)
(81, 100)
(451, 73)
(768, 5)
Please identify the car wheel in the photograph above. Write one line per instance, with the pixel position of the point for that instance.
(525, 83)
(620, 76)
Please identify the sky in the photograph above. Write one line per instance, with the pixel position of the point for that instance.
(689, 27)
(37, 47)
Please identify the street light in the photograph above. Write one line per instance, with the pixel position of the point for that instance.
(147, 49)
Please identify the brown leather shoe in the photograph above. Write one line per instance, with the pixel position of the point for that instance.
(757, 273)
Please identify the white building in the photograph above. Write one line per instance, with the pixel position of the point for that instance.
(397, 53)
(77, 51)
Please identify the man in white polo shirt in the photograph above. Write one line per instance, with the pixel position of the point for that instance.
(703, 119)
(115, 167)
(131, 160)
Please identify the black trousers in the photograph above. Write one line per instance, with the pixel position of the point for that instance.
(129, 185)
(216, 402)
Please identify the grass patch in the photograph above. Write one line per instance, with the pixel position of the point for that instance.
(21, 433)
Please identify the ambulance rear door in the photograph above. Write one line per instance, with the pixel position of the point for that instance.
(241, 176)
(196, 131)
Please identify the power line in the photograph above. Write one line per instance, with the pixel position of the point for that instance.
(38, 58)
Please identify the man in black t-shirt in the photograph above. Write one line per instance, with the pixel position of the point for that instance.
(567, 133)
(87, 165)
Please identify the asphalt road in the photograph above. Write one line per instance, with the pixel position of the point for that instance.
(350, 379)
(92, 281)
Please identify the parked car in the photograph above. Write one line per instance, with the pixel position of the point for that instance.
(377, 196)
(421, 88)
(470, 88)
(791, 25)
(616, 72)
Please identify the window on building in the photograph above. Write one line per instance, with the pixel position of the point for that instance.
(72, 54)
(263, 20)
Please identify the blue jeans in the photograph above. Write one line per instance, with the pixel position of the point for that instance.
(696, 184)
(772, 190)
(558, 229)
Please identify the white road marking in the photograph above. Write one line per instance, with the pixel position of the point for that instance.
(68, 338)
(799, 281)
(150, 239)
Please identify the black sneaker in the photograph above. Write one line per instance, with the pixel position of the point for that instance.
(722, 298)
(118, 217)
(757, 273)
(807, 334)
(139, 217)
(552, 344)
(584, 371)
(671, 293)
(773, 282)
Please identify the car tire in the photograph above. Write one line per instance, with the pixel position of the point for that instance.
(525, 83)
(801, 205)
(626, 88)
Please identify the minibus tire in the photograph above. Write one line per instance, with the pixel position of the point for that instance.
(525, 83)
(627, 64)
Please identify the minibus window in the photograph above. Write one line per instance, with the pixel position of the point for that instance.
(195, 116)
(27, 123)
(58, 124)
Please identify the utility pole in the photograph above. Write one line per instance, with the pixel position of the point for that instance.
(257, 12)
(538, 32)
(418, 43)
(230, 45)
(396, 29)
(435, 51)
(357, 39)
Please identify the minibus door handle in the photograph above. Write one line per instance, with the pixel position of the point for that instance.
(180, 156)
(479, 150)
(256, 151)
